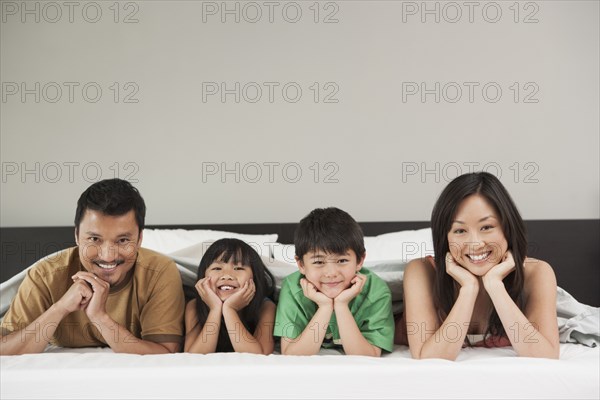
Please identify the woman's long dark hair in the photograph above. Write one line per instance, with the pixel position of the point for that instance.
(240, 252)
(444, 212)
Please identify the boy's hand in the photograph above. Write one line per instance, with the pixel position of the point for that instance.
(242, 298)
(356, 285)
(207, 294)
(311, 292)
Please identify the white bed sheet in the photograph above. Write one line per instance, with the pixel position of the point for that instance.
(478, 373)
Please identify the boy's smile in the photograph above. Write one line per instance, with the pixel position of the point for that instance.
(330, 273)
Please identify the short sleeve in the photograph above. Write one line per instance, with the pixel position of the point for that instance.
(32, 299)
(291, 318)
(376, 321)
(161, 318)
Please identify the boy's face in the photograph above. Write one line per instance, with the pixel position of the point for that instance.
(330, 273)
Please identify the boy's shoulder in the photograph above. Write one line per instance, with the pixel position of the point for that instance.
(375, 284)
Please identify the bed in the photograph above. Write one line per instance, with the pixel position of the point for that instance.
(478, 372)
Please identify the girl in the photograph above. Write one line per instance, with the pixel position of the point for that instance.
(480, 281)
(232, 310)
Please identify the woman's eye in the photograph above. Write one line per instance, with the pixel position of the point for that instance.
(486, 227)
(459, 231)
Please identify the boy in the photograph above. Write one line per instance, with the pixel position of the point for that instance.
(328, 302)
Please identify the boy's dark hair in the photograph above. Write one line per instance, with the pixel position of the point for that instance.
(330, 230)
(112, 197)
(236, 251)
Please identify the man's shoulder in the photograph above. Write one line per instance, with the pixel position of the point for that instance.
(56, 262)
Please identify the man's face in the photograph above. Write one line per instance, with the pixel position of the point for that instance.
(108, 245)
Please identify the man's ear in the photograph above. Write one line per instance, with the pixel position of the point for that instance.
(140, 237)
(300, 264)
(76, 236)
(361, 261)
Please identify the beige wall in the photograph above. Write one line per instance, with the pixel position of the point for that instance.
(401, 104)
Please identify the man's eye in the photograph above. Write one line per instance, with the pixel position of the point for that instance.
(94, 239)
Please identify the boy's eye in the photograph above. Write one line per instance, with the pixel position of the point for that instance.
(342, 260)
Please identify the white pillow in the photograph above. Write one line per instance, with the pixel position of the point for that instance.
(167, 241)
(401, 245)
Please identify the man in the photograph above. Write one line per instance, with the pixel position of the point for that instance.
(106, 291)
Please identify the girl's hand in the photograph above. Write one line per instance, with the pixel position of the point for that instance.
(242, 297)
(460, 274)
(500, 271)
(311, 292)
(356, 285)
(207, 294)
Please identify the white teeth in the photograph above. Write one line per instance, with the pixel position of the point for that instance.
(225, 287)
(107, 266)
(479, 257)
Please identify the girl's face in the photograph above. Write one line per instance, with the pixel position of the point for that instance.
(227, 278)
(476, 238)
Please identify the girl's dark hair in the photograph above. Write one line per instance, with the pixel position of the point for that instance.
(236, 251)
(331, 230)
(444, 212)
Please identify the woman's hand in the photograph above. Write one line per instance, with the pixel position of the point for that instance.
(495, 275)
(460, 274)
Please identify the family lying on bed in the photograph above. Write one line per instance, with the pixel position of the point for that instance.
(480, 289)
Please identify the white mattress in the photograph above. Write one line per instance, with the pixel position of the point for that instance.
(478, 373)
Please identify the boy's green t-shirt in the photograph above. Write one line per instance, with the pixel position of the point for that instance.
(372, 310)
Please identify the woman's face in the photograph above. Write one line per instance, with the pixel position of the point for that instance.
(476, 238)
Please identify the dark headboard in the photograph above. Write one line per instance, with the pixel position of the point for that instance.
(572, 247)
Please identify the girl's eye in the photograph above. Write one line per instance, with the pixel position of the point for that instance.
(215, 269)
